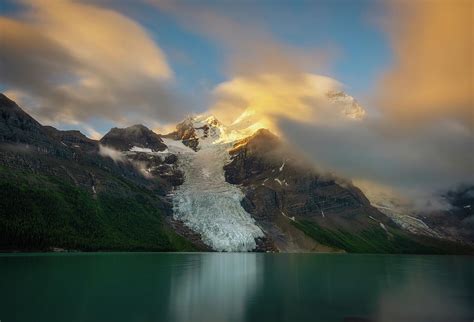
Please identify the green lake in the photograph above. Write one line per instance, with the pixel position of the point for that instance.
(208, 287)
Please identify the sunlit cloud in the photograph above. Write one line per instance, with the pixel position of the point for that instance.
(420, 141)
(425, 90)
(77, 61)
(263, 99)
(431, 78)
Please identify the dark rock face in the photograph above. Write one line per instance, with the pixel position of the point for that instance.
(136, 135)
(285, 196)
(171, 159)
(279, 188)
(249, 157)
(154, 166)
(68, 155)
(186, 132)
(17, 127)
(276, 183)
(73, 139)
(458, 221)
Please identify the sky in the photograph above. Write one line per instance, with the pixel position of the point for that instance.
(95, 64)
(199, 59)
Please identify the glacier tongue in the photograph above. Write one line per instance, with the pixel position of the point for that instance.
(206, 203)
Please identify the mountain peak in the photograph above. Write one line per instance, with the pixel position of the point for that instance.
(349, 105)
(201, 120)
(136, 135)
(137, 127)
(5, 102)
(15, 120)
(198, 127)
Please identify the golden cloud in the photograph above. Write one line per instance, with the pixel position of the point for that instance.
(76, 61)
(262, 100)
(432, 75)
(102, 38)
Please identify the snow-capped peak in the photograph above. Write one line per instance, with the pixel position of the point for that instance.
(350, 108)
(201, 120)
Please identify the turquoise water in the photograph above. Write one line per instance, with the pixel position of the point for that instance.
(145, 287)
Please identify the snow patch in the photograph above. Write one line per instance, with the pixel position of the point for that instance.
(175, 146)
(139, 149)
(282, 166)
(147, 150)
(292, 218)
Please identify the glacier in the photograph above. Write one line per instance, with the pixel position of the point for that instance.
(205, 202)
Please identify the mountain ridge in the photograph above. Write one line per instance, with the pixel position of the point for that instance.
(296, 208)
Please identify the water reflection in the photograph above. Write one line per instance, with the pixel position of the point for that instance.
(217, 287)
(236, 287)
(428, 292)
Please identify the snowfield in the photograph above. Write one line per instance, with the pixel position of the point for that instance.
(206, 203)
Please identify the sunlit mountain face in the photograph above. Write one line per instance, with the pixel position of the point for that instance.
(248, 126)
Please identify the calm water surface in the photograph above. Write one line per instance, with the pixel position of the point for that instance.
(146, 287)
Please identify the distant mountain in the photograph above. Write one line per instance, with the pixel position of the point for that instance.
(138, 136)
(205, 186)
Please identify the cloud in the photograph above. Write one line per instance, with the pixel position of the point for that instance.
(432, 74)
(121, 157)
(418, 141)
(109, 152)
(268, 97)
(77, 61)
(414, 164)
